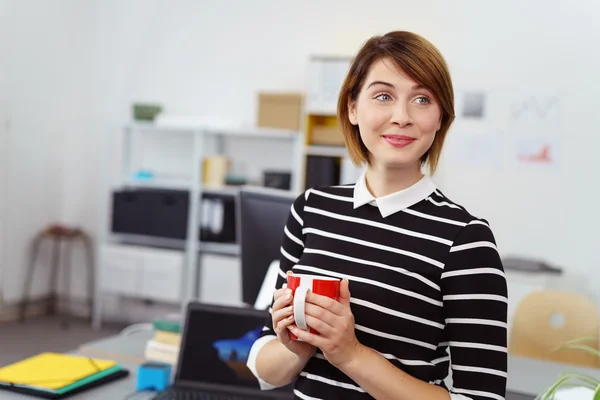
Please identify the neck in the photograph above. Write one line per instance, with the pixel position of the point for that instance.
(382, 181)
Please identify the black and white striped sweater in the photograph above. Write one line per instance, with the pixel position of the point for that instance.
(427, 284)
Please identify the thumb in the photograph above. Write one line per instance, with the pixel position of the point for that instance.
(345, 292)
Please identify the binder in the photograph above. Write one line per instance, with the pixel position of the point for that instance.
(56, 375)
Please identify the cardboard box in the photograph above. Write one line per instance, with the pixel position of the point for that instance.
(326, 135)
(279, 110)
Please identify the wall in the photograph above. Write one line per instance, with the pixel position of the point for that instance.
(4, 104)
(34, 126)
(210, 58)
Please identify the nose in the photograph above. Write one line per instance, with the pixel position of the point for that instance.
(401, 115)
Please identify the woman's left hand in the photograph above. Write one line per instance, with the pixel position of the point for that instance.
(334, 322)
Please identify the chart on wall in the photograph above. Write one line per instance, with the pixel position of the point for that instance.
(534, 121)
(500, 129)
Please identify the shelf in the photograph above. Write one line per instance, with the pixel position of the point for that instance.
(151, 126)
(322, 112)
(175, 184)
(225, 190)
(231, 249)
(329, 151)
(144, 240)
(244, 132)
(254, 132)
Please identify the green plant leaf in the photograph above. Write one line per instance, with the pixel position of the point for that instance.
(585, 348)
(574, 341)
(596, 393)
(572, 378)
(569, 380)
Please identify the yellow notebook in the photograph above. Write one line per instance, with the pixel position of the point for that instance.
(52, 370)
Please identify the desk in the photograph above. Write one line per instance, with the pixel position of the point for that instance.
(127, 350)
(526, 377)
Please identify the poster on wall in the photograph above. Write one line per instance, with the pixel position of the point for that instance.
(534, 124)
(506, 128)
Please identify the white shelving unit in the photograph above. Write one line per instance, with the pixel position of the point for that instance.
(329, 151)
(203, 141)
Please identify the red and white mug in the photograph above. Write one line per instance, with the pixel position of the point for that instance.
(301, 285)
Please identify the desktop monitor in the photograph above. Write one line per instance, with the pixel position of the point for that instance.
(263, 213)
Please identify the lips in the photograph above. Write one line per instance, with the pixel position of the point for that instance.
(398, 140)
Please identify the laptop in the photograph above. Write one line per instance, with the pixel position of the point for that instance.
(215, 345)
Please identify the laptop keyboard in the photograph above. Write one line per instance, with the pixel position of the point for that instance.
(179, 394)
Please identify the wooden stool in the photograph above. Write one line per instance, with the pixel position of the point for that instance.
(58, 234)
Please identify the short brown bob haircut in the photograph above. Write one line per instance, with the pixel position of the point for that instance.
(417, 58)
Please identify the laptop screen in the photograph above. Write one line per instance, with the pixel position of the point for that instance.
(217, 344)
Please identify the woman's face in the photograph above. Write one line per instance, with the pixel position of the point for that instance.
(397, 118)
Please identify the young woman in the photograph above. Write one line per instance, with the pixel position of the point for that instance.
(423, 287)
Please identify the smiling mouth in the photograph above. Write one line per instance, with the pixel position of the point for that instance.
(398, 140)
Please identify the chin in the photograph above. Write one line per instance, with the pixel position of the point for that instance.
(396, 159)
(396, 163)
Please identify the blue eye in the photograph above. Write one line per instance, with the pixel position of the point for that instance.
(423, 100)
(383, 97)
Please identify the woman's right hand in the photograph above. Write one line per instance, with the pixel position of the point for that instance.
(283, 316)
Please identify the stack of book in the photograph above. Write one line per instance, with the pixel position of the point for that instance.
(56, 375)
(166, 342)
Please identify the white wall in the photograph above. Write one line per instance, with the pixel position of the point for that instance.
(34, 126)
(4, 102)
(210, 58)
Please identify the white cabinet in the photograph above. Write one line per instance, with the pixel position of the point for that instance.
(143, 272)
(161, 275)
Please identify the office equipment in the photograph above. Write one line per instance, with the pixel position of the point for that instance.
(56, 375)
(277, 179)
(173, 152)
(153, 376)
(215, 347)
(153, 212)
(263, 214)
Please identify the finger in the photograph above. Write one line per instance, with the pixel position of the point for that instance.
(278, 293)
(281, 292)
(283, 313)
(306, 336)
(282, 301)
(326, 303)
(323, 328)
(284, 324)
(345, 293)
(320, 313)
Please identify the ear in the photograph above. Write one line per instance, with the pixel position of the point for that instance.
(352, 112)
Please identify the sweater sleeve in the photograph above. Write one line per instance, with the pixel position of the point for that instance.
(475, 299)
(292, 246)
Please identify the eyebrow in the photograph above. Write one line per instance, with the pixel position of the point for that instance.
(415, 87)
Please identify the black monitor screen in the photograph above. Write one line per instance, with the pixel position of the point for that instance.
(263, 215)
(217, 344)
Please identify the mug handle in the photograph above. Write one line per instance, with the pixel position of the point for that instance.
(299, 309)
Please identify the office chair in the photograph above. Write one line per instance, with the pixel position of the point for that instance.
(546, 319)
